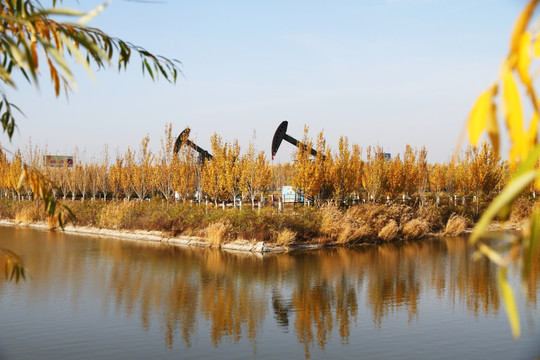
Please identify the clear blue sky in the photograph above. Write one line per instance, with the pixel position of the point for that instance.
(381, 72)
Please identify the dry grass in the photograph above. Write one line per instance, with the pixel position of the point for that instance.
(113, 215)
(455, 226)
(389, 232)
(28, 215)
(361, 233)
(345, 235)
(354, 233)
(362, 223)
(332, 221)
(52, 222)
(365, 222)
(431, 216)
(350, 227)
(285, 237)
(521, 210)
(217, 233)
(415, 229)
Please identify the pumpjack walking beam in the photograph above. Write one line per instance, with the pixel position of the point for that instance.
(183, 139)
(280, 135)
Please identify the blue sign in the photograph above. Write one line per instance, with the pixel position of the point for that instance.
(290, 195)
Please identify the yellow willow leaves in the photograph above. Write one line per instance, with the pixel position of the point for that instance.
(523, 141)
(34, 179)
(513, 112)
(509, 301)
(41, 186)
(521, 25)
(524, 58)
(483, 117)
(532, 134)
(13, 265)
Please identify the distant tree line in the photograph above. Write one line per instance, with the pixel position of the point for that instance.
(344, 176)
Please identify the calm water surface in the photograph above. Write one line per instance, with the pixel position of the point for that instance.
(90, 298)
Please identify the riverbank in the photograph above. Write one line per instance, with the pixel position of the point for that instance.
(265, 230)
(157, 236)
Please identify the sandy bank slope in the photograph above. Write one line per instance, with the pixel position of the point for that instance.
(157, 236)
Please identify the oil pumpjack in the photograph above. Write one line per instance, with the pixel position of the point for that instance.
(280, 135)
(183, 138)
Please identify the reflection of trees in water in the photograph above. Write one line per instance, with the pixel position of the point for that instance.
(392, 280)
(181, 285)
(228, 298)
(472, 283)
(315, 293)
(324, 297)
(282, 309)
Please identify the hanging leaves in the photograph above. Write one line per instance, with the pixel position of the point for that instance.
(513, 112)
(524, 152)
(509, 301)
(483, 117)
(29, 32)
(521, 26)
(524, 58)
(13, 265)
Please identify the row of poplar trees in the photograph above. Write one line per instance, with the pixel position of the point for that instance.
(345, 175)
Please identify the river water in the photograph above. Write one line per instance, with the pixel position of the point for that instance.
(92, 298)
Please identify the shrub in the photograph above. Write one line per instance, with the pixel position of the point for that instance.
(7, 208)
(455, 226)
(332, 223)
(112, 216)
(389, 232)
(29, 213)
(521, 210)
(285, 237)
(415, 229)
(431, 215)
(217, 233)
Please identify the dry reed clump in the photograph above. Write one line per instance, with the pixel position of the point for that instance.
(370, 221)
(354, 232)
(217, 233)
(113, 215)
(366, 222)
(332, 221)
(400, 213)
(28, 214)
(52, 222)
(389, 232)
(358, 211)
(456, 225)
(415, 229)
(353, 226)
(340, 227)
(285, 237)
(345, 234)
(431, 216)
(521, 210)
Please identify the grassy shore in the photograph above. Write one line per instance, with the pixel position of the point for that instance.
(365, 223)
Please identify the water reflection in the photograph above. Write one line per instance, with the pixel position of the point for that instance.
(314, 295)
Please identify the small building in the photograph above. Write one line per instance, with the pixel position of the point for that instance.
(290, 195)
